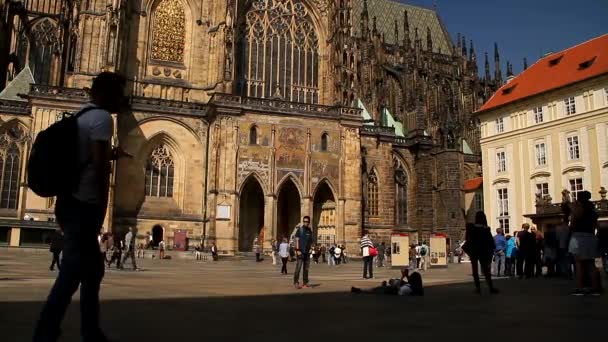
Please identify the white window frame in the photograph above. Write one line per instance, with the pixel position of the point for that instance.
(539, 115)
(540, 150)
(576, 186)
(573, 147)
(500, 125)
(478, 201)
(503, 208)
(570, 105)
(501, 161)
(542, 189)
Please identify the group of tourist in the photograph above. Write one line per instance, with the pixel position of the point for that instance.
(570, 249)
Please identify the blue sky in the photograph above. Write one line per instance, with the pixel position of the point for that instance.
(522, 28)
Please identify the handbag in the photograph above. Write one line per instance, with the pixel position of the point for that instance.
(373, 251)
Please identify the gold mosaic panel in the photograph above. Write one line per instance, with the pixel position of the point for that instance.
(168, 32)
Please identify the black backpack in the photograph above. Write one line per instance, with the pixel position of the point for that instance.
(53, 167)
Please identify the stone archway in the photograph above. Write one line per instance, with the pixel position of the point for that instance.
(251, 214)
(157, 235)
(324, 215)
(288, 209)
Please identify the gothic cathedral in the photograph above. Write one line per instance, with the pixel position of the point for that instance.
(248, 114)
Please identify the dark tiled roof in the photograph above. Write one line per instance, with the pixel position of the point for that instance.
(387, 11)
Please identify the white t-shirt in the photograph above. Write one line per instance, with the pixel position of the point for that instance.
(94, 125)
(337, 251)
(417, 252)
(284, 250)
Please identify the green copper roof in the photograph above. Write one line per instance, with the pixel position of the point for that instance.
(19, 85)
(387, 11)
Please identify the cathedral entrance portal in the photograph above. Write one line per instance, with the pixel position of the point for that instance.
(251, 214)
(324, 215)
(288, 211)
(157, 235)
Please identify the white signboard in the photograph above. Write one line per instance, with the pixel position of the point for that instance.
(223, 212)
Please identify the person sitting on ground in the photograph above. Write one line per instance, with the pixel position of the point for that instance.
(411, 287)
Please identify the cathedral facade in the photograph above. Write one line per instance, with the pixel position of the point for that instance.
(248, 114)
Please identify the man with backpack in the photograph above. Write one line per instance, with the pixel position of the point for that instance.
(79, 178)
(55, 247)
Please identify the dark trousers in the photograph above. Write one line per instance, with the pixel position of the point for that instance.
(303, 260)
(526, 263)
(82, 265)
(564, 263)
(55, 260)
(509, 263)
(486, 265)
(257, 257)
(368, 266)
(284, 267)
(538, 264)
(129, 252)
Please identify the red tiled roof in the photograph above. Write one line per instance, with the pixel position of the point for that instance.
(473, 184)
(575, 64)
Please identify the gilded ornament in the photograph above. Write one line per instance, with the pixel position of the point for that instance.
(169, 32)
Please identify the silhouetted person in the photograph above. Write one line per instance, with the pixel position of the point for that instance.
(80, 213)
(526, 247)
(56, 247)
(583, 243)
(480, 247)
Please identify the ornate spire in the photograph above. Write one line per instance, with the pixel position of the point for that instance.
(472, 54)
(497, 72)
(364, 20)
(374, 26)
(487, 69)
(509, 69)
(406, 30)
(464, 46)
(525, 63)
(458, 44)
(429, 40)
(396, 32)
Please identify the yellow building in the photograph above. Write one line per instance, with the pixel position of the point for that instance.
(546, 131)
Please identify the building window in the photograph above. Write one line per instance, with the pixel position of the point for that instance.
(500, 125)
(324, 140)
(503, 209)
(576, 186)
(501, 161)
(372, 194)
(400, 197)
(279, 54)
(169, 32)
(606, 95)
(541, 154)
(538, 115)
(574, 152)
(10, 165)
(44, 45)
(253, 135)
(478, 201)
(160, 173)
(542, 189)
(570, 105)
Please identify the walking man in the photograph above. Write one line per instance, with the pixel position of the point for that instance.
(80, 214)
(424, 256)
(303, 242)
(500, 252)
(129, 251)
(381, 254)
(56, 247)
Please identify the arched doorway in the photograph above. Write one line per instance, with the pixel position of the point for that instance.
(157, 235)
(251, 214)
(288, 211)
(324, 215)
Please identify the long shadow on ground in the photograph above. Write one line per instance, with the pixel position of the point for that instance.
(525, 311)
